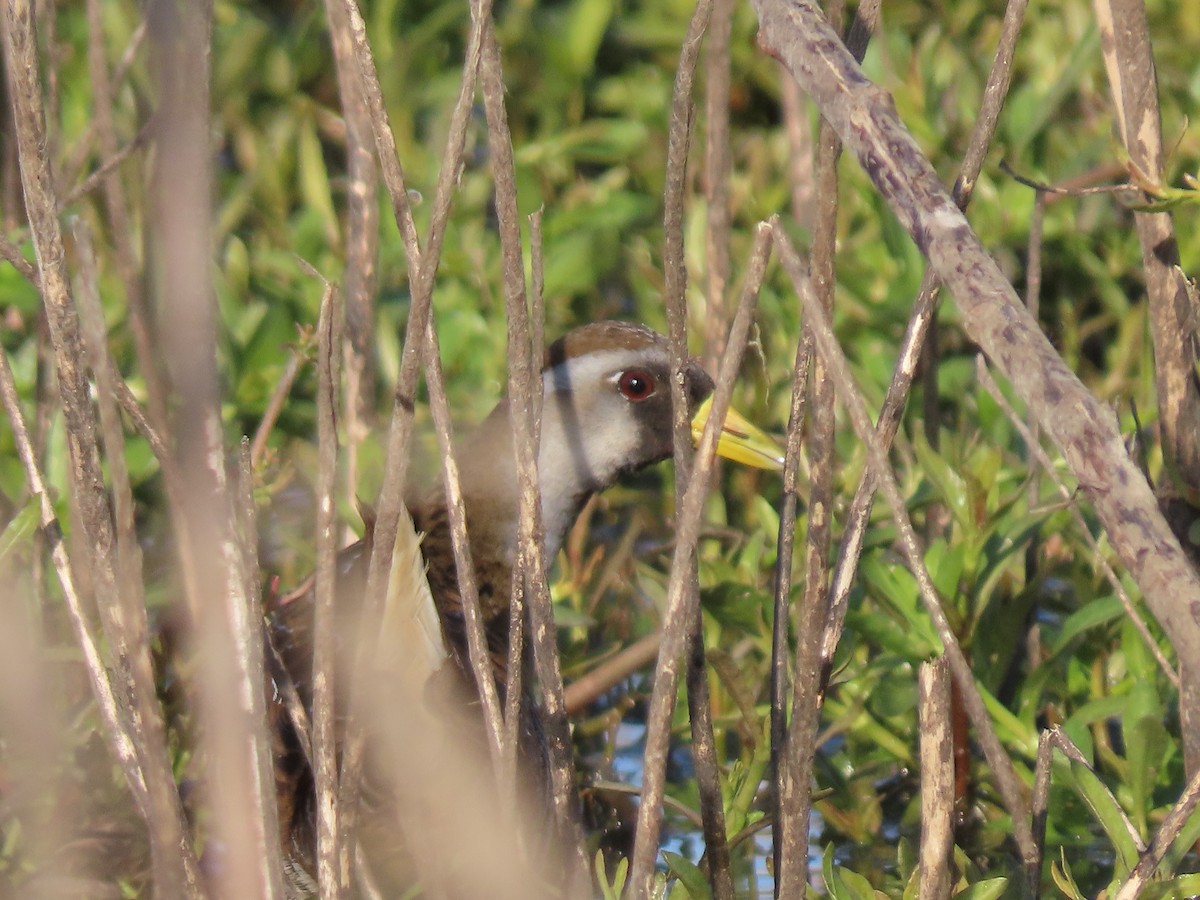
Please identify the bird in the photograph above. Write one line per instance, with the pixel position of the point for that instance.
(606, 412)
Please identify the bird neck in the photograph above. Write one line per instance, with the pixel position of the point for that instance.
(491, 487)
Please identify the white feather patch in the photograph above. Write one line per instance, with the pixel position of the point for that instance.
(410, 636)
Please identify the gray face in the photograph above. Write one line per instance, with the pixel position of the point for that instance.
(609, 412)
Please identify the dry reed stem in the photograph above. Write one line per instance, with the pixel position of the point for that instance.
(685, 583)
(116, 206)
(421, 268)
(1129, 62)
(793, 784)
(718, 167)
(782, 587)
(1007, 783)
(718, 227)
(360, 279)
(477, 647)
(332, 877)
(116, 733)
(1167, 832)
(11, 254)
(992, 314)
(680, 597)
(919, 325)
(124, 622)
(524, 381)
(1051, 740)
(937, 780)
(229, 686)
(279, 396)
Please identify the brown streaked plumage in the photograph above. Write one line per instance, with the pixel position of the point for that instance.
(606, 411)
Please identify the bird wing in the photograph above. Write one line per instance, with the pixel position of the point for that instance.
(410, 639)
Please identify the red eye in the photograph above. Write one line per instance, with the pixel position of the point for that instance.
(636, 384)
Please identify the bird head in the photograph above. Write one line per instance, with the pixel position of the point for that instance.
(607, 408)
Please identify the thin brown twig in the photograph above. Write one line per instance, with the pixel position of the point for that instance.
(937, 779)
(12, 254)
(919, 325)
(1129, 63)
(116, 204)
(1007, 783)
(229, 686)
(361, 275)
(247, 526)
(1167, 832)
(793, 783)
(680, 597)
(717, 170)
(333, 880)
(422, 266)
(283, 387)
(585, 689)
(106, 168)
(523, 382)
(117, 734)
(173, 859)
(684, 577)
(477, 645)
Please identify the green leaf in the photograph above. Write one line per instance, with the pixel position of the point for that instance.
(1108, 813)
(842, 883)
(990, 889)
(21, 528)
(1060, 871)
(689, 875)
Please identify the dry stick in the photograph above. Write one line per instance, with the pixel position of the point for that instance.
(523, 382)
(1051, 740)
(675, 286)
(681, 609)
(789, 504)
(119, 219)
(106, 168)
(707, 765)
(283, 387)
(333, 882)
(584, 690)
(361, 275)
(794, 760)
(247, 527)
(116, 734)
(1010, 788)
(91, 316)
(421, 270)
(1033, 289)
(1039, 457)
(230, 684)
(794, 764)
(11, 254)
(924, 311)
(1039, 809)
(1129, 62)
(1167, 832)
(514, 689)
(717, 169)
(992, 314)
(477, 647)
(175, 869)
(937, 780)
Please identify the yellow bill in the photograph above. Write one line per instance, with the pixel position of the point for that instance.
(740, 441)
